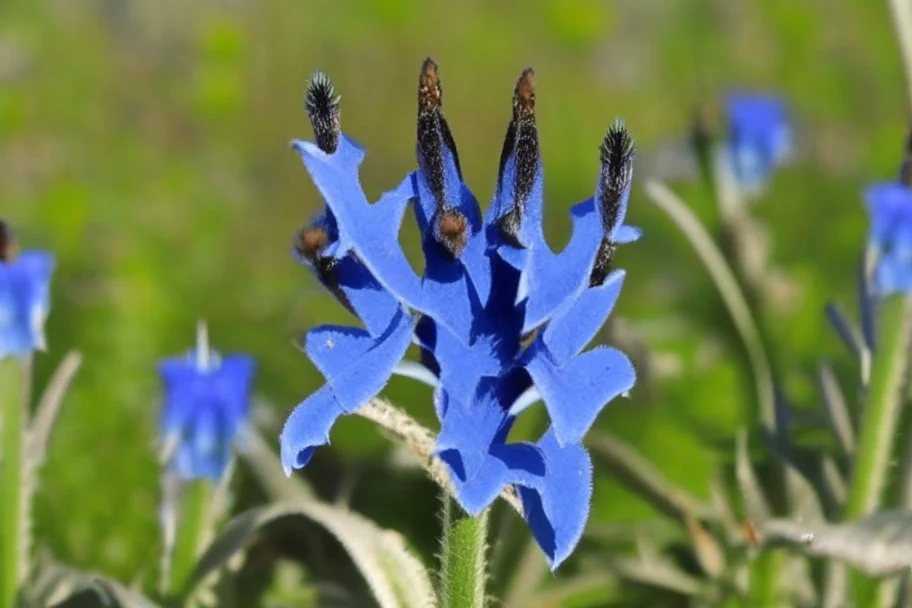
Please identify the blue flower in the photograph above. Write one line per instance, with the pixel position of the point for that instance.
(890, 209)
(205, 408)
(759, 138)
(25, 283)
(501, 320)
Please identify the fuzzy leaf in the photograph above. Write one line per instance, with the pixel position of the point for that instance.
(880, 544)
(394, 574)
(56, 584)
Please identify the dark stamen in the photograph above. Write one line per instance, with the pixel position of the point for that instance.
(617, 151)
(604, 258)
(6, 242)
(451, 226)
(322, 105)
(522, 142)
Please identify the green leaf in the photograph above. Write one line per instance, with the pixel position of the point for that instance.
(879, 544)
(56, 584)
(39, 431)
(395, 576)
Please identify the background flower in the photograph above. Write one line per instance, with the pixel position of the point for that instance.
(205, 406)
(25, 285)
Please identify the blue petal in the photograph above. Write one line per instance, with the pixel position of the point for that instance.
(461, 366)
(467, 431)
(375, 306)
(571, 328)
(205, 409)
(448, 296)
(558, 509)
(308, 428)
(178, 376)
(550, 281)
(519, 464)
(233, 381)
(575, 393)
(357, 366)
(889, 205)
(24, 302)
(371, 230)
(760, 137)
(627, 234)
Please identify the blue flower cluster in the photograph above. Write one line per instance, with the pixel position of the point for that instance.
(889, 206)
(501, 321)
(759, 139)
(205, 407)
(25, 286)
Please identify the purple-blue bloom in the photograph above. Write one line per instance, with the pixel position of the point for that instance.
(889, 206)
(759, 138)
(25, 285)
(205, 407)
(502, 321)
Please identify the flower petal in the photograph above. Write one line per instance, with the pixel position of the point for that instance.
(627, 234)
(357, 366)
(371, 230)
(571, 328)
(467, 431)
(557, 510)
(575, 393)
(550, 281)
(518, 463)
(307, 428)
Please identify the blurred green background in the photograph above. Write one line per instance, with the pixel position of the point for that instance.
(146, 143)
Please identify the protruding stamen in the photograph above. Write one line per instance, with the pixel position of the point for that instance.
(604, 258)
(451, 227)
(6, 242)
(617, 152)
(322, 105)
(522, 144)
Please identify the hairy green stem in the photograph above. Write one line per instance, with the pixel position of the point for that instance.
(14, 374)
(463, 557)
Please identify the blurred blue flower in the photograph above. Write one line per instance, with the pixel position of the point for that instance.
(759, 138)
(205, 407)
(502, 321)
(25, 283)
(889, 206)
